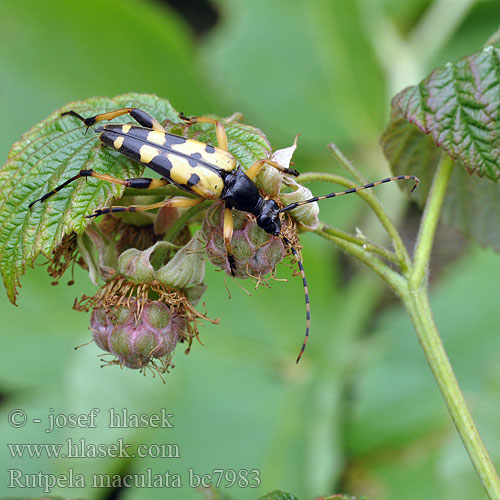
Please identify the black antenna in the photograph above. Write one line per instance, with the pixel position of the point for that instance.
(353, 190)
(306, 293)
(296, 255)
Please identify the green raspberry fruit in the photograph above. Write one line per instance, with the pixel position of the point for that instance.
(137, 339)
(256, 252)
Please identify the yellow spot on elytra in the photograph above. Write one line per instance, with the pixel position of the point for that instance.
(210, 184)
(126, 128)
(118, 142)
(219, 158)
(156, 137)
(147, 153)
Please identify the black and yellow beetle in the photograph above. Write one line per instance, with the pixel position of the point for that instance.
(209, 172)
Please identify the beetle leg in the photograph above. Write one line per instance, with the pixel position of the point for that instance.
(177, 201)
(228, 235)
(141, 117)
(137, 183)
(219, 127)
(253, 170)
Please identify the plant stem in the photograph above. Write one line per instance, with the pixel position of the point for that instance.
(413, 293)
(180, 223)
(428, 226)
(420, 312)
(342, 159)
(417, 302)
(365, 243)
(392, 278)
(371, 200)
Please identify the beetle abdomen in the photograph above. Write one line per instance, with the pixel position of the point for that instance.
(176, 158)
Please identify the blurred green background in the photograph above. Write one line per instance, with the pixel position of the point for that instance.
(361, 413)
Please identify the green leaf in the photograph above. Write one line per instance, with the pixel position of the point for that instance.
(283, 495)
(54, 151)
(278, 495)
(45, 156)
(453, 111)
(457, 106)
(472, 204)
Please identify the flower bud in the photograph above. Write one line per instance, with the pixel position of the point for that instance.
(306, 215)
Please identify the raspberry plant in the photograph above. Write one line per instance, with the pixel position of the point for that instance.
(445, 130)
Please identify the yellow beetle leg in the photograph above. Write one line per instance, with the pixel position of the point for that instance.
(219, 127)
(178, 201)
(253, 171)
(228, 235)
(135, 182)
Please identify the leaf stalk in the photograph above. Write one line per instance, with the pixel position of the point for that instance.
(411, 288)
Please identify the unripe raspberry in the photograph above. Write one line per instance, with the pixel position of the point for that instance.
(256, 252)
(102, 327)
(137, 340)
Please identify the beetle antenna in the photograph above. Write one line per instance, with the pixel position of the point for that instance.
(286, 241)
(353, 190)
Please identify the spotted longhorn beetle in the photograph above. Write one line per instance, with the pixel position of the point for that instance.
(209, 172)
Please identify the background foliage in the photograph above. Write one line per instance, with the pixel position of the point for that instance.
(361, 413)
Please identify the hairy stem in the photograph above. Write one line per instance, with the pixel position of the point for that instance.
(428, 226)
(417, 302)
(371, 200)
(366, 244)
(181, 222)
(391, 277)
(420, 312)
(341, 158)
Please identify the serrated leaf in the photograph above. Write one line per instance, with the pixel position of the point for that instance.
(55, 150)
(457, 105)
(472, 204)
(454, 110)
(278, 495)
(341, 496)
(45, 156)
(410, 152)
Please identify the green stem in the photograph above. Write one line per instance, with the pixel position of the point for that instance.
(420, 312)
(429, 223)
(342, 159)
(371, 200)
(181, 222)
(417, 302)
(362, 242)
(392, 278)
